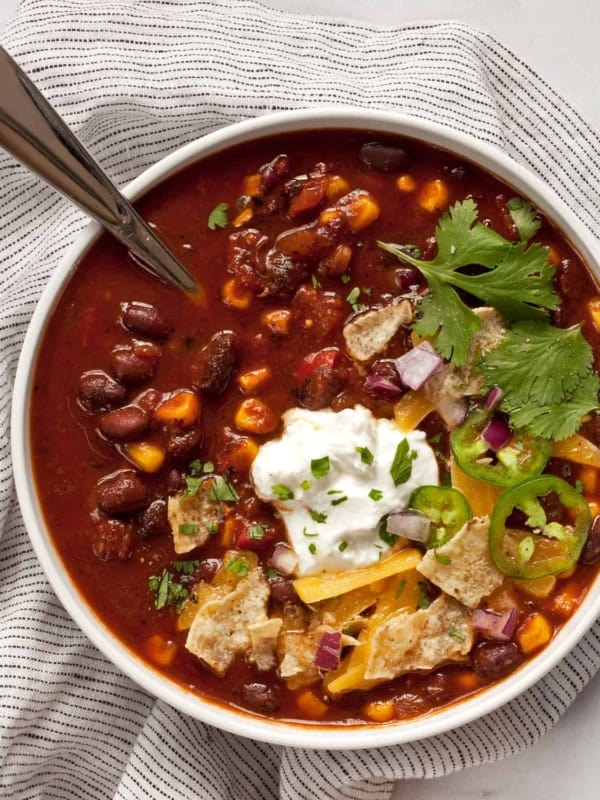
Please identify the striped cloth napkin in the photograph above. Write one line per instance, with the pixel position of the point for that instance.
(136, 80)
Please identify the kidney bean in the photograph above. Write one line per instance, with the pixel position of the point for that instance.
(282, 590)
(113, 540)
(493, 660)
(154, 520)
(217, 361)
(146, 320)
(180, 445)
(134, 363)
(409, 704)
(321, 387)
(207, 569)
(437, 688)
(261, 697)
(175, 481)
(124, 424)
(97, 391)
(385, 157)
(273, 173)
(591, 549)
(148, 400)
(121, 493)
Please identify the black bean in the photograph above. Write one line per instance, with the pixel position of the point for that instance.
(493, 660)
(97, 391)
(175, 481)
(437, 688)
(134, 363)
(217, 361)
(154, 520)
(124, 424)
(321, 387)
(113, 540)
(121, 493)
(261, 697)
(282, 590)
(146, 320)
(385, 157)
(591, 549)
(180, 445)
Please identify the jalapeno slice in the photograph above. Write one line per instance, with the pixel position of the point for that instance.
(447, 508)
(521, 458)
(539, 548)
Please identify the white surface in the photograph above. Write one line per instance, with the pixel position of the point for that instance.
(560, 41)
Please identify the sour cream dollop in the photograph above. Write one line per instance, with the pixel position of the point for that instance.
(330, 477)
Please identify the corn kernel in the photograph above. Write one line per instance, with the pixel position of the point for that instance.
(149, 457)
(534, 633)
(553, 255)
(406, 183)
(538, 587)
(329, 215)
(566, 601)
(243, 217)
(336, 187)
(252, 380)
(160, 651)
(251, 185)
(433, 196)
(363, 212)
(277, 321)
(181, 410)
(308, 323)
(594, 311)
(254, 416)
(311, 705)
(244, 453)
(382, 711)
(467, 682)
(234, 295)
(589, 478)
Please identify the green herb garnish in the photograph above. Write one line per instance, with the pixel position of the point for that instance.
(400, 588)
(441, 558)
(342, 546)
(424, 600)
(222, 490)
(239, 566)
(318, 516)
(389, 538)
(282, 492)
(166, 591)
(402, 464)
(218, 217)
(185, 567)
(457, 635)
(188, 528)
(312, 547)
(256, 532)
(525, 217)
(366, 456)
(320, 466)
(338, 500)
(306, 484)
(376, 494)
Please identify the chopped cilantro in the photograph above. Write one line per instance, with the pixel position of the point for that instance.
(457, 635)
(222, 490)
(208, 466)
(309, 535)
(315, 281)
(218, 217)
(272, 574)
(336, 501)
(256, 532)
(435, 439)
(318, 516)
(282, 492)
(367, 290)
(312, 547)
(516, 280)
(441, 558)
(375, 494)
(345, 278)
(424, 601)
(212, 527)
(320, 466)
(342, 546)
(366, 456)
(400, 588)
(192, 486)
(306, 484)
(353, 295)
(525, 217)
(402, 464)
(188, 528)
(546, 376)
(195, 467)
(185, 567)
(334, 491)
(239, 566)
(166, 591)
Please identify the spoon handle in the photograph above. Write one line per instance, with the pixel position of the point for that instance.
(32, 131)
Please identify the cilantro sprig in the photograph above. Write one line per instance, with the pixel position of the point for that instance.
(516, 280)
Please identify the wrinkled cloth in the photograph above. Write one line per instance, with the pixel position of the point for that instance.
(135, 80)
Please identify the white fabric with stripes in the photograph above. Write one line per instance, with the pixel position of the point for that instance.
(136, 79)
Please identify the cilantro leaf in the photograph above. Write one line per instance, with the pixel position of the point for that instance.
(537, 364)
(517, 280)
(282, 492)
(166, 591)
(402, 464)
(218, 217)
(524, 216)
(320, 467)
(222, 490)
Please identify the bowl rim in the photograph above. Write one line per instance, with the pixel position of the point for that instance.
(230, 718)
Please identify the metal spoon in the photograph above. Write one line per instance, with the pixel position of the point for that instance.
(32, 131)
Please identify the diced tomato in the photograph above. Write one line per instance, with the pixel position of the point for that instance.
(328, 357)
(253, 535)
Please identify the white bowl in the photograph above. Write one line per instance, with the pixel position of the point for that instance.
(229, 719)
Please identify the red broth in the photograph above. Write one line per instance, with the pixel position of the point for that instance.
(70, 456)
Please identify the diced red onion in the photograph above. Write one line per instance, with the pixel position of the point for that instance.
(418, 365)
(496, 433)
(283, 559)
(379, 386)
(493, 397)
(411, 524)
(329, 650)
(494, 624)
(406, 278)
